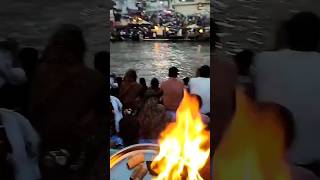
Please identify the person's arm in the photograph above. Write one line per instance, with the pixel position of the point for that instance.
(30, 135)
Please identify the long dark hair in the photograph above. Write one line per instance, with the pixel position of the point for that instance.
(66, 46)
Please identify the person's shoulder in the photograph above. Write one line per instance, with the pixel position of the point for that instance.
(4, 111)
(11, 115)
(180, 81)
(164, 82)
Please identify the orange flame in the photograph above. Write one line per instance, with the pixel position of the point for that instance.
(253, 147)
(184, 145)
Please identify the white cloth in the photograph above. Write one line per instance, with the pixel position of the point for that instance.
(117, 109)
(8, 74)
(24, 142)
(201, 87)
(292, 79)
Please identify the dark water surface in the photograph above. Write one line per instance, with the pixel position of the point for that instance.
(31, 22)
(153, 59)
(252, 23)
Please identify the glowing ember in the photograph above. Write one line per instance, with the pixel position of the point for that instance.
(253, 148)
(184, 145)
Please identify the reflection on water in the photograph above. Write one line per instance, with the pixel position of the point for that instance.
(153, 59)
(252, 23)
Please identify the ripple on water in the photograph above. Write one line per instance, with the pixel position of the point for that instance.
(153, 59)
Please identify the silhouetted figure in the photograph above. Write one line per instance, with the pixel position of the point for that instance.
(130, 91)
(303, 32)
(186, 81)
(143, 83)
(281, 36)
(290, 77)
(29, 58)
(243, 60)
(225, 78)
(68, 106)
(119, 81)
(154, 90)
(101, 62)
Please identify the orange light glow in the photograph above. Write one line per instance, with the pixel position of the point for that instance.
(253, 147)
(184, 144)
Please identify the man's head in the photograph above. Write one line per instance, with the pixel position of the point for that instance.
(243, 60)
(66, 46)
(143, 82)
(130, 75)
(303, 32)
(154, 83)
(173, 72)
(204, 71)
(186, 81)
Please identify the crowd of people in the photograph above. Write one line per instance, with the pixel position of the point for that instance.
(53, 114)
(287, 79)
(141, 113)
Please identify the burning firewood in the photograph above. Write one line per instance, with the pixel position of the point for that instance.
(139, 172)
(151, 171)
(133, 161)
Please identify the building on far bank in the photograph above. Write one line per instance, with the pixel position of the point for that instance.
(123, 5)
(155, 5)
(189, 7)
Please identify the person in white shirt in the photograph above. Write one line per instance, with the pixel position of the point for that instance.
(117, 110)
(201, 86)
(290, 77)
(24, 141)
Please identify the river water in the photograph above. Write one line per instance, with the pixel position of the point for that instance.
(153, 59)
(252, 23)
(31, 22)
